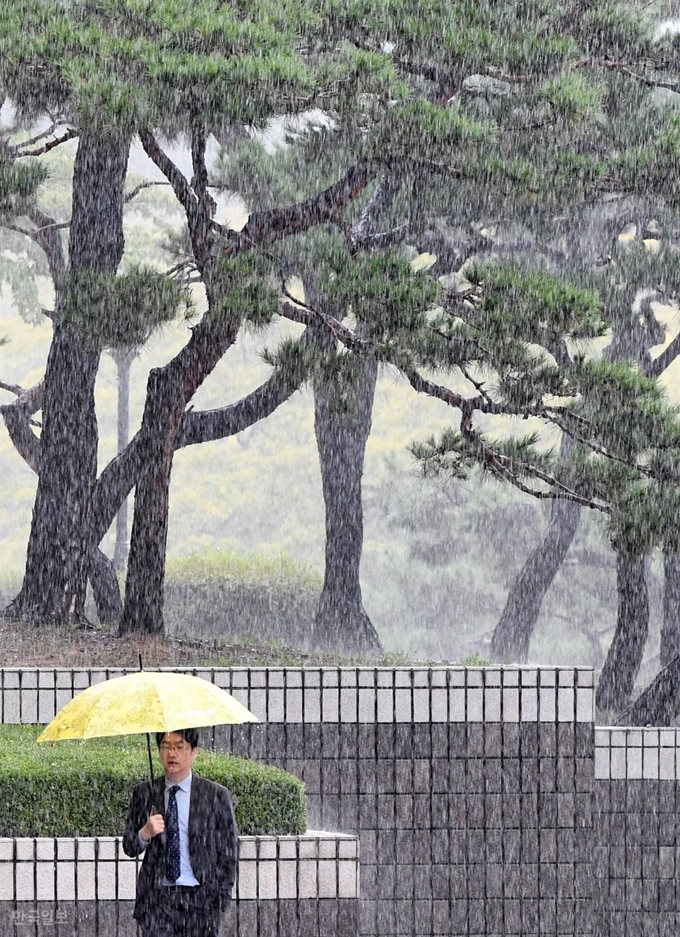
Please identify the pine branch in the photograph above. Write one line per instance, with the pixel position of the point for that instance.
(17, 417)
(625, 69)
(506, 467)
(180, 185)
(50, 145)
(658, 365)
(142, 185)
(465, 404)
(593, 446)
(209, 425)
(266, 227)
(308, 315)
(48, 238)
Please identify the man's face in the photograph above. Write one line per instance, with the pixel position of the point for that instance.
(177, 756)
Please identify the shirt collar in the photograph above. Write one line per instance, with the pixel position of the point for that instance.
(184, 785)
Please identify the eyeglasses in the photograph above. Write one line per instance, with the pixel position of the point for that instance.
(180, 747)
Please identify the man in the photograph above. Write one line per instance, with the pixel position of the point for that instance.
(185, 826)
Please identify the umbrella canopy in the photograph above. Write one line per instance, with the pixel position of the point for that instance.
(145, 701)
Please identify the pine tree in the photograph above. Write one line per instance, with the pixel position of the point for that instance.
(495, 114)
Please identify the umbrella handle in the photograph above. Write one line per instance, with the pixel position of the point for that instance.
(148, 748)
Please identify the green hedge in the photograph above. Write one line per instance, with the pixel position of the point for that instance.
(82, 788)
(221, 593)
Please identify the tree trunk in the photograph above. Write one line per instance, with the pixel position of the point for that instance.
(143, 609)
(169, 390)
(632, 625)
(342, 423)
(659, 703)
(105, 588)
(670, 629)
(510, 642)
(57, 560)
(123, 359)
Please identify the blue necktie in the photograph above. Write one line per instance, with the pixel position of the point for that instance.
(172, 867)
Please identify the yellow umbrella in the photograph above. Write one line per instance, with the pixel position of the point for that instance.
(145, 701)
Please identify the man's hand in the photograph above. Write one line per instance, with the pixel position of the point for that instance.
(153, 826)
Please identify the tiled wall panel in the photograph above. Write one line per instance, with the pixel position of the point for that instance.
(486, 801)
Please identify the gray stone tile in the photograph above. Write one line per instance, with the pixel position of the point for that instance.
(547, 739)
(566, 889)
(440, 740)
(348, 739)
(439, 775)
(512, 881)
(328, 917)
(422, 918)
(512, 810)
(512, 844)
(493, 812)
(403, 740)
(493, 775)
(529, 738)
(494, 880)
(386, 881)
(385, 740)
(368, 812)
(366, 740)
(387, 814)
(566, 845)
(349, 776)
(529, 774)
(476, 917)
(529, 810)
(474, 810)
(385, 779)
(422, 812)
(530, 844)
(387, 847)
(475, 739)
(403, 776)
(405, 883)
(459, 917)
(348, 918)
(493, 742)
(458, 875)
(547, 880)
(422, 740)
(440, 918)
(512, 782)
(510, 733)
(475, 776)
(513, 917)
(547, 915)
(405, 847)
(529, 880)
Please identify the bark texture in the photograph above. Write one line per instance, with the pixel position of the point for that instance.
(623, 661)
(57, 561)
(123, 358)
(670, 629)
(342, 429)
(659, 703)
(510, 642)
(169, 390)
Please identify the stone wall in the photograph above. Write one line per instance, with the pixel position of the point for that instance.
(485, 800)
(636, 854)
(293, 886)
(470, 789)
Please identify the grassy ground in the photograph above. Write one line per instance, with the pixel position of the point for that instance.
(24, 645)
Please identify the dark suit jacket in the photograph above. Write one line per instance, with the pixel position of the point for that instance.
(213, 843)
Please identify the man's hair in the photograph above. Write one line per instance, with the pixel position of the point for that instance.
(189, 735)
